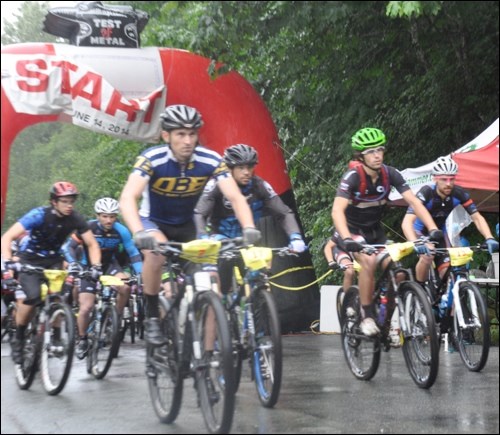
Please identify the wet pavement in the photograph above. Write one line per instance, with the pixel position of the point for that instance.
(319, 395)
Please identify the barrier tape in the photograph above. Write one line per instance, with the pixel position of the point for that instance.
(294, 269)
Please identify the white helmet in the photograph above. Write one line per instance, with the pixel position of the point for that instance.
(444, 166)
(107, 205)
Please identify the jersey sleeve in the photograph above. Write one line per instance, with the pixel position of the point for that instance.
(34, 218)
(397, 180)
(205, 206)
(348, 184)
(128, 243)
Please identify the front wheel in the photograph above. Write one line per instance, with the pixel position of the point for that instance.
(58, 348)
(25, 372)
(165, 380)
(362, 353)
(215, 374)
(421, 343)
(267, 356)
(106, 342)
(473, 336)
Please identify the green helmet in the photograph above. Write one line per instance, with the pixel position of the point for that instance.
(368, 138)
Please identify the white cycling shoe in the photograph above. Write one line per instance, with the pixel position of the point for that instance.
(369, 327)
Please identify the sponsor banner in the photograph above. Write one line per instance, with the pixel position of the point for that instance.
(42, 84)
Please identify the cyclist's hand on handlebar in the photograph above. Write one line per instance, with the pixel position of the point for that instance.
(74, 268)
(145, 240)
(13, 265)
(95, 271)
(352, 246)
(492, 245)
(421, 248)
(251, 236)
(297, 244)
(436, 235)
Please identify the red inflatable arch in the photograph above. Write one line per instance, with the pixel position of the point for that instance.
(91, 87)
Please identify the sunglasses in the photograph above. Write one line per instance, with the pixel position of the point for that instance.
(446, 179)
(373, 151)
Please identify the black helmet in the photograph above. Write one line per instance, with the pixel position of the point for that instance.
(240, 154)
(180, 116)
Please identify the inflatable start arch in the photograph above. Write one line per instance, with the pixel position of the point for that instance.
(122, 91)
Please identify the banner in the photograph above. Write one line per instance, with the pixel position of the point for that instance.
(44, 84)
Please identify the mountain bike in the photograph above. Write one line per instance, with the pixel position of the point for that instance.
(104, 328)
(133, 313)
(418, 330)
(460, 307)
(254, 320)
(198, 340)
(49, 337)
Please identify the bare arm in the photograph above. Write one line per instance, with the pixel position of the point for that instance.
(338, 216)
(407, 227)
(328, 251)
(481, 225)
(421, 212)
(131, 193)
(232, 192)
(13, 233)
(93, 247)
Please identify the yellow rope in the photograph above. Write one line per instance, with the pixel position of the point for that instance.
(292, 269)
(302, 287)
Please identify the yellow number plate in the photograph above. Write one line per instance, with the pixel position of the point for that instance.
(397, 251)
(257, 258)
(56, 279)
(460, 256)
(201, 251)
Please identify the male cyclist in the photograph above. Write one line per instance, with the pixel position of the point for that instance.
(440, 199)
(213, 208)
(48, 229)
(111, 236)
(170, 178)
(358, 207)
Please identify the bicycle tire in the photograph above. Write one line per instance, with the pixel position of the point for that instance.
(238, 349)
(473, 342)
(166, 386)
(362, 353)
(340, 299)
(421, 343)
(57, 357)
(267, 356)
(25, 373)
(215, 382)
(106, 343)
(9, 323)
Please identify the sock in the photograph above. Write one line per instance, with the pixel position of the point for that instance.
(152, 309)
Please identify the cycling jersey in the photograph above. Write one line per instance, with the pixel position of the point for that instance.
(48, 231)
(111, 243)
(440, 208)
(174, 188)
(261, 198)
(365, 209)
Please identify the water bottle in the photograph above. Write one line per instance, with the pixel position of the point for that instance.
(443, 305)
(182, 315)
(106, 292)
(382, 306)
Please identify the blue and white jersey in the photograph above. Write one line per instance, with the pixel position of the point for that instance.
(173, 189)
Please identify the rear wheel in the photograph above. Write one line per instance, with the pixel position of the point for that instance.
(473, 337)
(362, 353)
(164, 378)
(9, 322)
(340, 299)
(215, 377)
(421, 343)
(58, 348)
(106, 342)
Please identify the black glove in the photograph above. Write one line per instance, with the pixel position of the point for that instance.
(352, 246)
(332, 265)
(95, 271)
(144, 240)
(251, 236)
(435, 235)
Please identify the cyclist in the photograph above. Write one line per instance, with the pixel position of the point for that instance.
(440, 199)
(213, 208)
(358, 207)
(111, 236)
(170, 178)
(48, 229)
